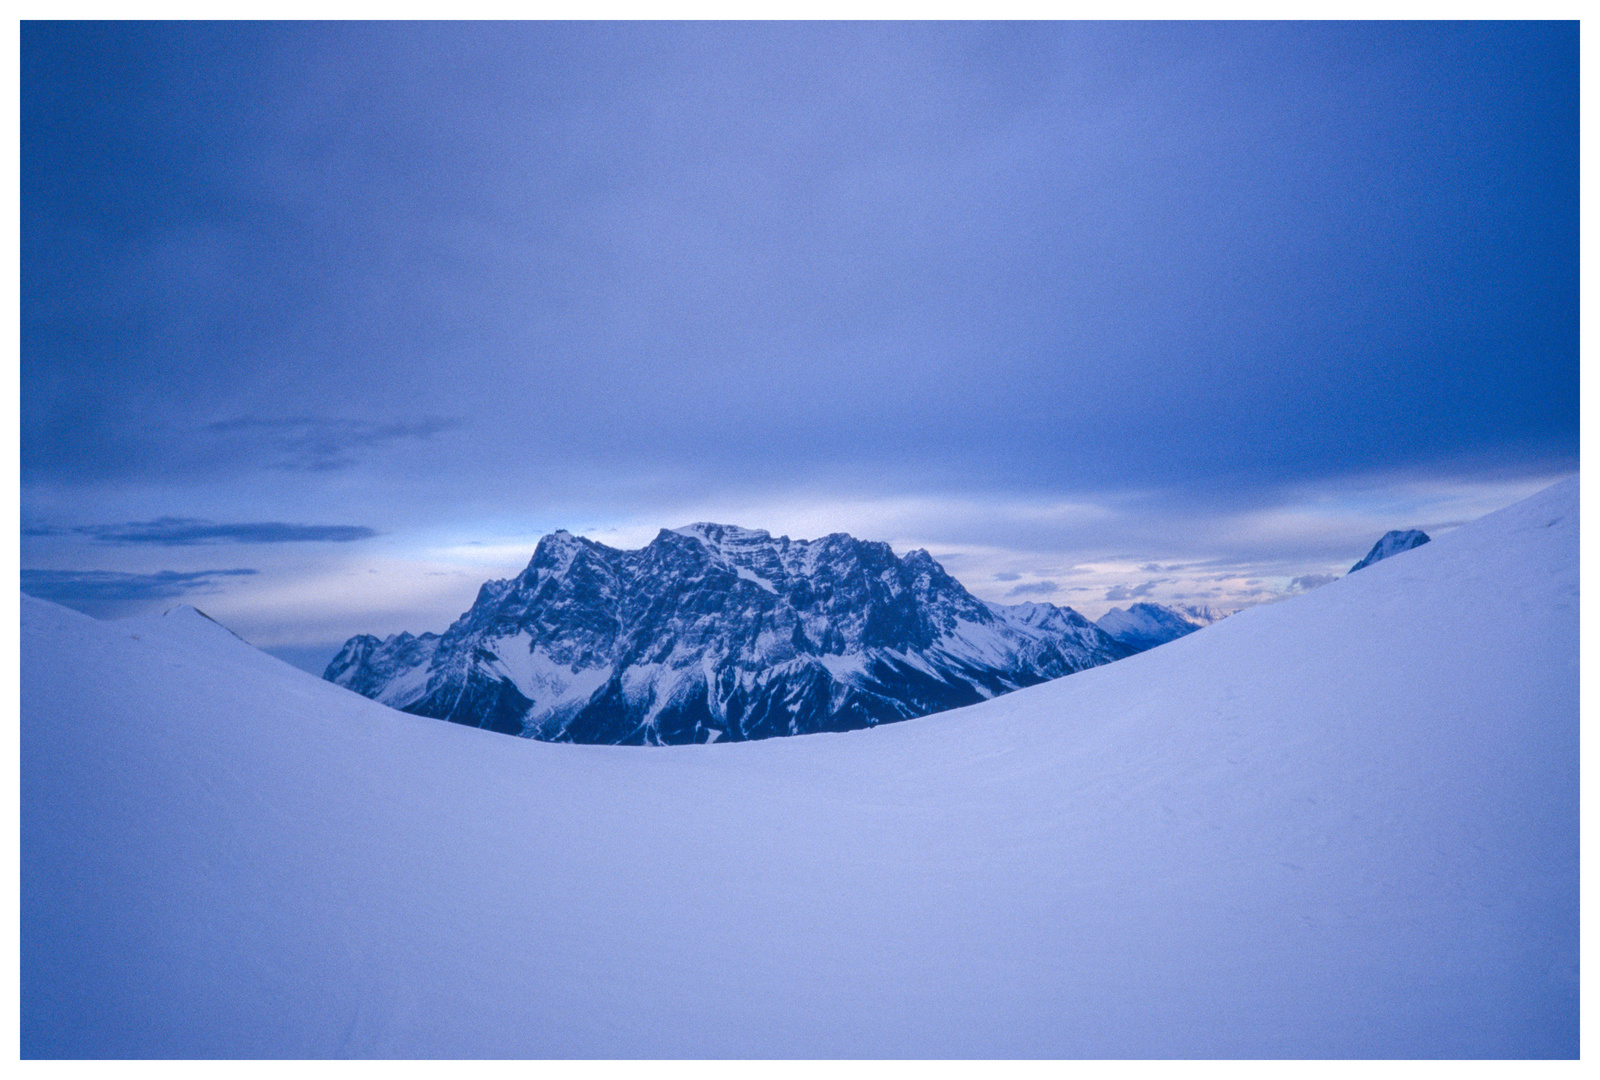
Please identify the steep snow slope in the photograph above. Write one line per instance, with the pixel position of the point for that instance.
(1343, 825)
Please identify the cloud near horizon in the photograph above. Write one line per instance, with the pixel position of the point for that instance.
(110, 594)
(182, 532)
(1134, 592)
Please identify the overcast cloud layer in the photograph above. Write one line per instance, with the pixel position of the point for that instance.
(1038, 297)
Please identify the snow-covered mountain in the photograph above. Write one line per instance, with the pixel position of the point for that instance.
(1144, 625)
(1392, 542)
(1344, 825)
(714, 631)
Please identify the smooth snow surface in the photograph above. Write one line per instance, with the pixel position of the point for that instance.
(1345, 825)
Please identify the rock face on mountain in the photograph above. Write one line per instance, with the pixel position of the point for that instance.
(1144, 626)
(1393, 543)
(714, 631)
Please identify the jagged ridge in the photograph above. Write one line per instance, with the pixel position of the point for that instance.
(714, 631)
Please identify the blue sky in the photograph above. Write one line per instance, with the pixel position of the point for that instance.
(325, 324)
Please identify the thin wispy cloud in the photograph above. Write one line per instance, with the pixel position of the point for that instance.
(323, 444)
(1035, 588)
(184, 532)
(1133, 592)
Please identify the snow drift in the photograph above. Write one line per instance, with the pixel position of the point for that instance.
(1345, 825)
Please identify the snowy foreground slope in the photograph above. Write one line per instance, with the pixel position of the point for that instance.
(1343, 825)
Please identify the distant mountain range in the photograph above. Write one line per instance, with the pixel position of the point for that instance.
(717, 632)
(1144, 626)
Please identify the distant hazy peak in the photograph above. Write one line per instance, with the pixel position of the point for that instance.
(1145, 625)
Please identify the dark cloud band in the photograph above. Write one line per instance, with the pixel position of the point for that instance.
(78, 587)
(183, 532)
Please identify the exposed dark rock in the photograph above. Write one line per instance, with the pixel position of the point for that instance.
(716, 632)
(1393, 543)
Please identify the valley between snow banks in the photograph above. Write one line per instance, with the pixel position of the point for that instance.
(1345, 825)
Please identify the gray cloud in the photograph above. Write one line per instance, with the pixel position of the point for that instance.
(851, 260)
(1131, 592)
(1311, 581)
(183, 532)
(322, 444)
(833, 209)
(1037, 588)
(109, 593)
(1007, 575)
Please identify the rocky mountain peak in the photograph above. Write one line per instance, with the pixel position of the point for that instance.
(718, 631)
(1392, 542)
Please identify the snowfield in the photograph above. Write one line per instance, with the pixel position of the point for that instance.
(1345, 825)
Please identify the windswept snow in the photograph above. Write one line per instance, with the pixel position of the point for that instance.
(1345, 825)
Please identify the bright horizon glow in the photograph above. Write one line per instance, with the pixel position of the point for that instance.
(425, 584)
